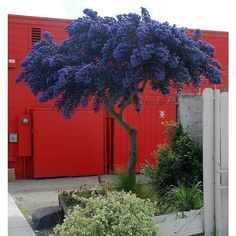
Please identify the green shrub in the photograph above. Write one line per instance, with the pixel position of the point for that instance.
(189, 156)
(75, 197)
(116, 213)
(146, 191)
(142, 190)
(104, 187)
(181, 160)
(162, 175)
(182, 198)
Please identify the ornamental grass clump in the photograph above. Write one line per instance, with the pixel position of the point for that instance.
(125, 182)
(182, 198)
(142, 190)
(116, 213)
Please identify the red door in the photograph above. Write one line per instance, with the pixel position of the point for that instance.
(68, 148)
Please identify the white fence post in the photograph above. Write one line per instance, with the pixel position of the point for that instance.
(224, 164)
(217, 134)
(208, 162)
(215, 162)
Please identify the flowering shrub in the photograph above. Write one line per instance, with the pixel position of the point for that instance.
(108, 62)
(108, 59)
(116, 213)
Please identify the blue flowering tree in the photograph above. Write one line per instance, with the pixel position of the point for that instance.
(109, 61)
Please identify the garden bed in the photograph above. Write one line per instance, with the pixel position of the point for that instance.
(171, 191)
(181, 223)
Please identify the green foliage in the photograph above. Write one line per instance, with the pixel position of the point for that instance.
(146, 191)
(75, 197)
(181, 160)
(125, 182)
(182, 198)
(69, 200)
(189, 156)
(142, 190)
(162, 175)
(104, 187)
(116, 213)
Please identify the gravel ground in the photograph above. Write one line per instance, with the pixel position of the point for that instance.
(36, 193)
(30, 195)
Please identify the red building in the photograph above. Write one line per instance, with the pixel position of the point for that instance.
(42, 144)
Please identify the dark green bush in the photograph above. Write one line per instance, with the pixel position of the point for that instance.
(179, 161)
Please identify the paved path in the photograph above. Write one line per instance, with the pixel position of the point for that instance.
(17, 224)
(32, 194)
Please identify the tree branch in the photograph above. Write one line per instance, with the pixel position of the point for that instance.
(119, 118)
(127, 103)
(143, 86)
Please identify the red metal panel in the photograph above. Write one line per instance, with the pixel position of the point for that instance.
(20, 97)
(109, 143)
(25, 136)
(68, 148)
(149, 126)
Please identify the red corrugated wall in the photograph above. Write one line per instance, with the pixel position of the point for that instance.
(80, 155)
(68, 148)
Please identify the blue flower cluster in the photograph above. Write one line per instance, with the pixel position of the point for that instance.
(106, 60)
(48, 36)
(197, 34)
(213, 75)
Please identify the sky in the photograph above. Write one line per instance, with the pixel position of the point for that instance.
(208, 14)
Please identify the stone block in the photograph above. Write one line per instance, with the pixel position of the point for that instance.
(47, 217)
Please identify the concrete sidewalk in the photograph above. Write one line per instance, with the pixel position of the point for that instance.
(17, 224)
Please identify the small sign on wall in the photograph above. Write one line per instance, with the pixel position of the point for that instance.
(11, 63)
(162, 114)
(13, 138)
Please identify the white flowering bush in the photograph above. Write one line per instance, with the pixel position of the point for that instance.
(115, 214)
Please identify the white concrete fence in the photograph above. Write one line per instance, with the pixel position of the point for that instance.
(181, 223)
(213, 220)
(215, 162)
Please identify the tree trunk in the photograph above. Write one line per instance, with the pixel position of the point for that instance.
(133, 155)
(132, 133)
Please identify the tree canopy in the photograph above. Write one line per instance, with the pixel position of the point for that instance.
(110, 60)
